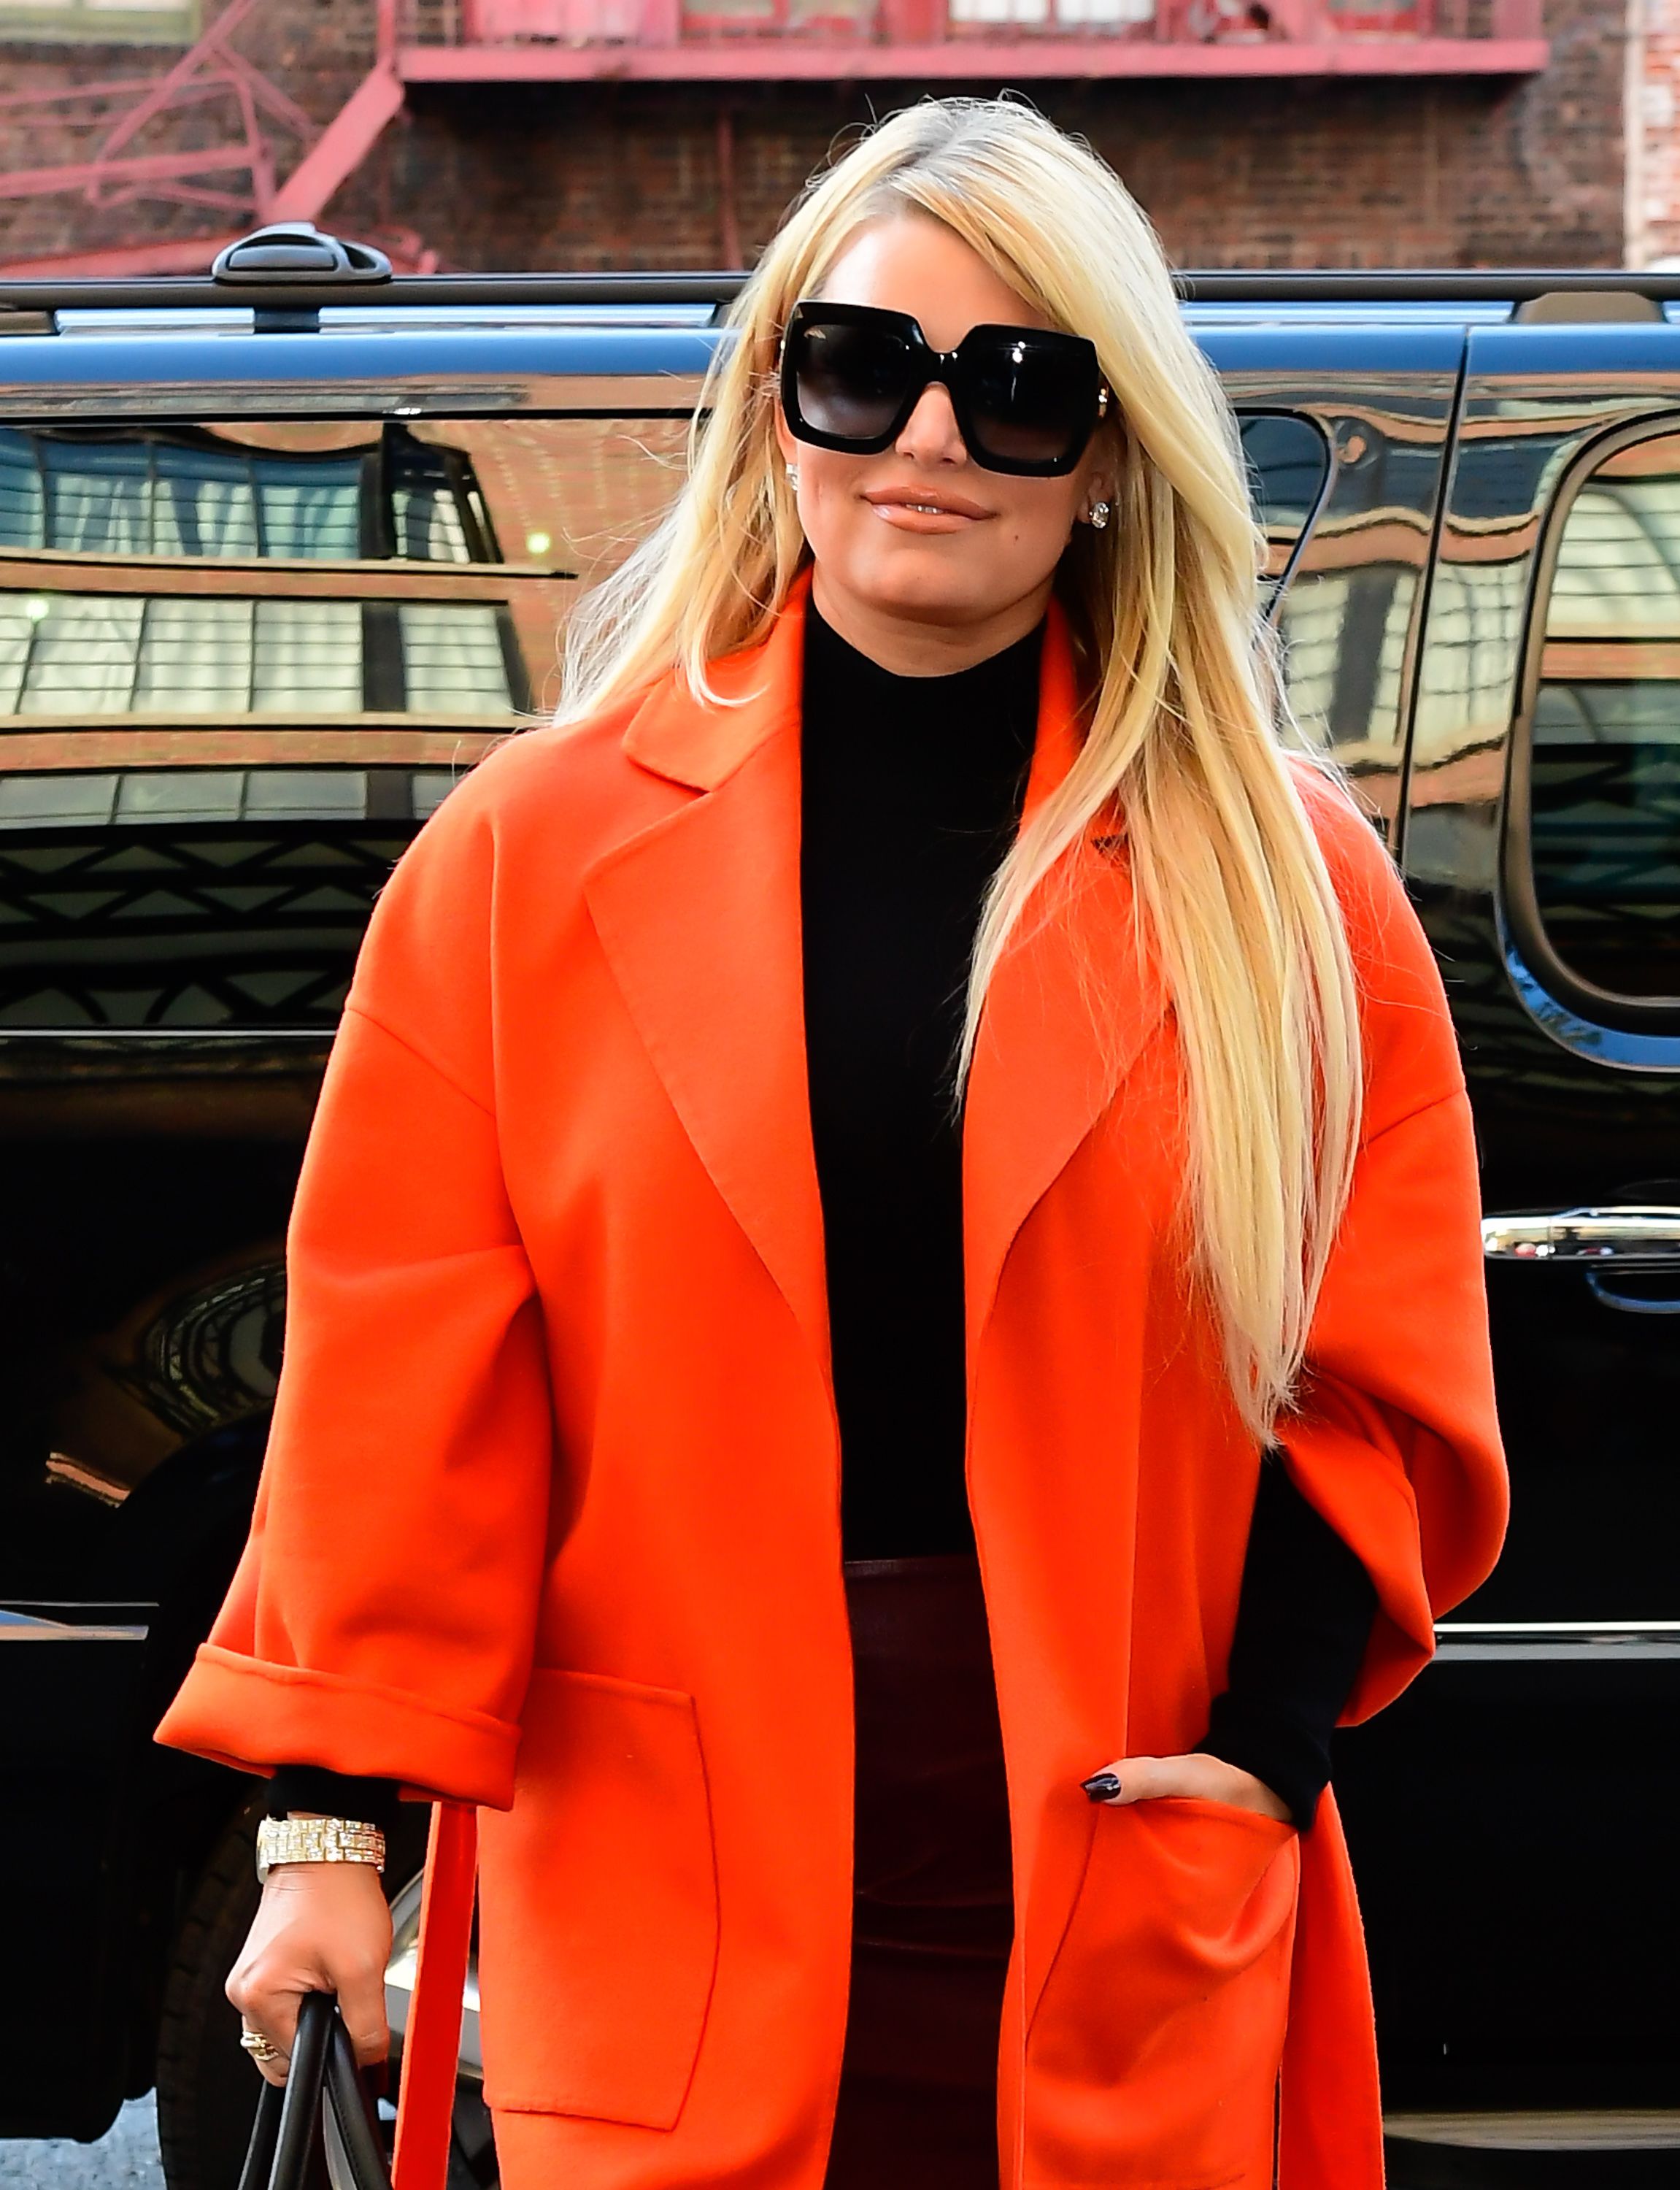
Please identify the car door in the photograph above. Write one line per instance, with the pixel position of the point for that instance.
(1523, 1892)
(263, 599)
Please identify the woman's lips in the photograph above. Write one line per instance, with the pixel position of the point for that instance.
(911, 511)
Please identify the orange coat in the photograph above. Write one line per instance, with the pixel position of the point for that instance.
(550, 1518)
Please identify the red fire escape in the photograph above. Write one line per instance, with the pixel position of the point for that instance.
(213, 132)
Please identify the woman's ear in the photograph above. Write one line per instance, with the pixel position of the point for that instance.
(1108, 449)
(784, 436)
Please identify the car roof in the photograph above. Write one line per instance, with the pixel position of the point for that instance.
(690, 299)
(641, 343)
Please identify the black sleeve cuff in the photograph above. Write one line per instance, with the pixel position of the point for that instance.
(334, 1793)
(1292, 1759)
(1303, 1625)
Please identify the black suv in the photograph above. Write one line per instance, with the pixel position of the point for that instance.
(281, 553)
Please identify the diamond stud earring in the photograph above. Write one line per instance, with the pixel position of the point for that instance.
(793, 477)
(1099, 515)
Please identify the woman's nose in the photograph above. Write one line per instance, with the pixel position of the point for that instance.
(931, 433)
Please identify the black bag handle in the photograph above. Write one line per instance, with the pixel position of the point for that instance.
(289, 2136)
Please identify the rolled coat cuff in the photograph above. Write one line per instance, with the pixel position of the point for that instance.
(255, 1715)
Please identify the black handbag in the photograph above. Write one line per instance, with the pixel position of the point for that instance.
(319, 2128)
(319, 2131)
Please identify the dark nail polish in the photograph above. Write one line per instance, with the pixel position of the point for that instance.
(1102, 1786)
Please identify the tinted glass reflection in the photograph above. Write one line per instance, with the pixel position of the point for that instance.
(187, 492)
(1288, 462)
(239, 663)
(76, 654)
(183, 899)
(83, 632)
(1604, 765)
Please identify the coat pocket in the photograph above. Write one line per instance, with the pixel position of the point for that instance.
(597, 1906)
(1154, 2049)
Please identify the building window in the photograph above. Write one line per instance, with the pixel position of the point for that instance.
(70, 655)
(241, 664)
(1052, 15)
(86, 491)
(101, 22)
(178, 498)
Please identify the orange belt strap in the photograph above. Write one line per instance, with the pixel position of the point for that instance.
(432, 2046)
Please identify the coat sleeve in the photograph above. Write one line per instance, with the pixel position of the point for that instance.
(1396, 1439)
(382, 1617)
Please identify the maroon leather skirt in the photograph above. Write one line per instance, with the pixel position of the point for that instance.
(932, 1914)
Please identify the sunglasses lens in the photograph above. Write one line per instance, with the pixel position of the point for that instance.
(1031, 403)
(851, 381)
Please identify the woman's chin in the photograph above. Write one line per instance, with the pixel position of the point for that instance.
(924, 586)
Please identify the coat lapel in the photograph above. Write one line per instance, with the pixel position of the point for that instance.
(1070, 1008)
(699, 917)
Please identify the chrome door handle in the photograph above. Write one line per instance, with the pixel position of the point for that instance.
(1630, 1238)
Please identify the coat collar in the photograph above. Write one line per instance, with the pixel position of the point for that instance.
(673, 734)
(699, 918)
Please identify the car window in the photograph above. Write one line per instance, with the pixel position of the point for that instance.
(206, 511)
(240, 663)
(1596, 806)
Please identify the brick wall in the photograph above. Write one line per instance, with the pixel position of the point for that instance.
(1653, 149)
(1387, 171)
(317, 51)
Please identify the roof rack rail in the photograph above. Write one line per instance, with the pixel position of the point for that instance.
(297, 289)
(1515, 284)
(297, 251)
(301, 291)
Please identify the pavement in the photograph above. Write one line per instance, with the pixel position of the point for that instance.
(124, 2159)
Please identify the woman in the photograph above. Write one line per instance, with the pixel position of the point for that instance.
(905, 1084)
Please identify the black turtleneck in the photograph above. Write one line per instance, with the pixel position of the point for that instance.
(912, 788)
(912, 791)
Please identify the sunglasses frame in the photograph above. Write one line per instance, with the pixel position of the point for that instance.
(950, 368)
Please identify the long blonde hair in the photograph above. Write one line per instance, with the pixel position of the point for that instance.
(1186, 706)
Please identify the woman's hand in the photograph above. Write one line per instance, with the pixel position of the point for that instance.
(1143, 1779)
(322, 1927)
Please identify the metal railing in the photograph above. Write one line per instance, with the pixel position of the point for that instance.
(215, 133)
(922, 23)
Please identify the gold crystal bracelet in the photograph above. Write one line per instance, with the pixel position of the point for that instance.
(317, 1840)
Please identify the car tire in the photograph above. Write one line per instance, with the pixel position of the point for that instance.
(206, 2091)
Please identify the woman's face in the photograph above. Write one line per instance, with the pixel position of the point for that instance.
(924, 558)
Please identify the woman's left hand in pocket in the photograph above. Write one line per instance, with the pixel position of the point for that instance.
(1209, 1779)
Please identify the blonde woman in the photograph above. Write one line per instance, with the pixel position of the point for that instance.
(886, 1320)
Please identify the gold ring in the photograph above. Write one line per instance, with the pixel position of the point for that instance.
(258, 2045)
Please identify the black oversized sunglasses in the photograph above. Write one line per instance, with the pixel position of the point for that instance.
(1027, 399)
